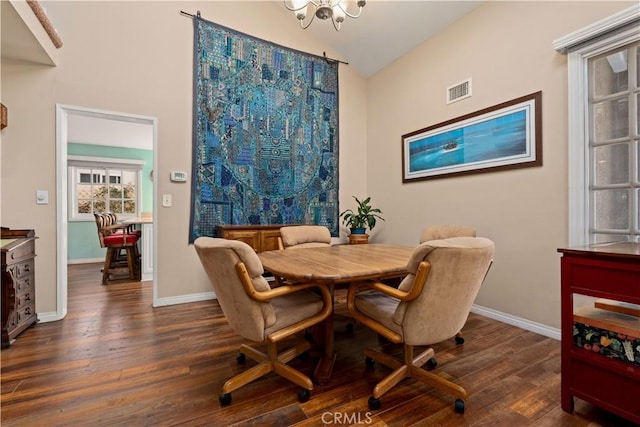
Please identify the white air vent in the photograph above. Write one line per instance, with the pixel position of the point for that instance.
(459, 91)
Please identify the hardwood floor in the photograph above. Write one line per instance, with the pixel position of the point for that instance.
(115, 360)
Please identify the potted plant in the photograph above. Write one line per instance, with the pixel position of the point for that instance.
(366, 216)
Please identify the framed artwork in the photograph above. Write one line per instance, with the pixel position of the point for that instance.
(505, 136)
(3, 116)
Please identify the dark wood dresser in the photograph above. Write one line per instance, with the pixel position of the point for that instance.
(18, 283)
(589, 372)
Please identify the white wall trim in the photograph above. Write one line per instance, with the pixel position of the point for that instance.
(578, 151)
(184, 299)
(509, 319)
(102, 160)
(519, 322)
(590, 32)
(62, 115)
(50, 316)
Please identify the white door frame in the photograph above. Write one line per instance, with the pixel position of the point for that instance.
(62, 114)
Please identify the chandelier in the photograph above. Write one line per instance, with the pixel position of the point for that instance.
(323, 9)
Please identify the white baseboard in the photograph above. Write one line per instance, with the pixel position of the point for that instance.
(51, 316)
(509, 319)
(85, 260)
(525, 324)
(183, 299)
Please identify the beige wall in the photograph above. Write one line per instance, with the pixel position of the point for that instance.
(505, 47)
(137, 58)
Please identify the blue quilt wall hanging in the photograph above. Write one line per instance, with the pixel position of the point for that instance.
(265, 133)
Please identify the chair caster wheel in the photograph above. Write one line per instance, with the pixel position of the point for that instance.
(458, 406)
(369, 362)
(459, 340)
(225, 399)
(374, 404)
(241, 358)
(303, 395)
(432, 363)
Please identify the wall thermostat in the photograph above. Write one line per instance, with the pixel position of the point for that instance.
(178, 176)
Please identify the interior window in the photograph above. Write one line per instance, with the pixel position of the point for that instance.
(96, 186)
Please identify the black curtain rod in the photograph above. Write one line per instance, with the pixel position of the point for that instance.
(324, 54)
(182, 12)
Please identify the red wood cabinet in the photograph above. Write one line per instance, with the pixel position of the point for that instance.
(606, 271)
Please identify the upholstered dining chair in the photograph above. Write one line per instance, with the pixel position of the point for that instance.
(304, 236)
(445, 231)
(314, 236)
(118, 238)
(260, 313)
(431, 304)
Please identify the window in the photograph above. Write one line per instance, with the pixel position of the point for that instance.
(604, 118)
(614, 176)
(103, 185)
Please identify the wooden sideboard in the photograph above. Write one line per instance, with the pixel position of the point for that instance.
(604, 271)
(259, 237)
(18, 283)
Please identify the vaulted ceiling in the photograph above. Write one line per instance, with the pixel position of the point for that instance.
(386, 30)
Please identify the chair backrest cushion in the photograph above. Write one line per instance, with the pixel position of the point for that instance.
(305, 236)
(219, 257)
(458, 268)
(445, 231)
(104, 220)
(114, 236)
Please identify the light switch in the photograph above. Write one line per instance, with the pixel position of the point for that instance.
(42, 197)
(166, 200)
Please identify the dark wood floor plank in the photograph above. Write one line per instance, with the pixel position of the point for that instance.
(116, 360)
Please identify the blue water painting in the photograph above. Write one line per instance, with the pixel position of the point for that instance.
(501, 137)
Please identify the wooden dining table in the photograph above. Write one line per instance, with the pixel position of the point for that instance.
(332, 266)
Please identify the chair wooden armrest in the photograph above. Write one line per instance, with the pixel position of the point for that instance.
(114, 227)
(265, 296)
(413, 293)
(126, 228)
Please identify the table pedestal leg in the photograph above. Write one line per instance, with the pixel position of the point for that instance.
(323, 371)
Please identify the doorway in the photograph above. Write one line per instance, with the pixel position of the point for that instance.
(78, 122)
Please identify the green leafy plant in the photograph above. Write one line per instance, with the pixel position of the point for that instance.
(366, 215)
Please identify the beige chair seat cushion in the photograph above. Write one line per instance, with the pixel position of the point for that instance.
(379, 307)
(294, 308)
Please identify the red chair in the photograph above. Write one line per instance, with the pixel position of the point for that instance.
(118, 238)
